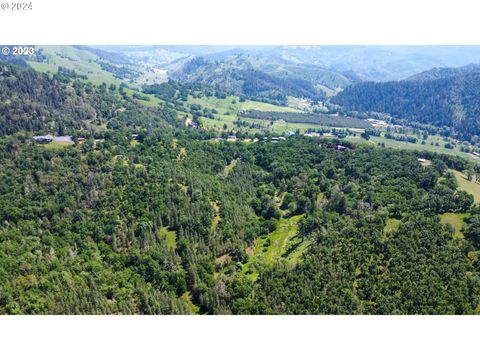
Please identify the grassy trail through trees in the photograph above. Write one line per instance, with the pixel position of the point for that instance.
(269, 249)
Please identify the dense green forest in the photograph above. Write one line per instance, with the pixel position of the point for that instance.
(148, 216)
(450, 101)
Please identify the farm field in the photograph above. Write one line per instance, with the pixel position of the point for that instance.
(233, 104)
(228, 108)
(227, 114)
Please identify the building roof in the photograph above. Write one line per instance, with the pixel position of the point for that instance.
(44, 137)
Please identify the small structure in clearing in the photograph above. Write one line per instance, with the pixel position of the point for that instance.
(43, 139)
(424, 162)
(377, 123)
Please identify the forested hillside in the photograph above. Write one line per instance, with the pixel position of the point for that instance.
(239, 76)
(451, 102)
(32, 101)
(118, 228)
(144, 215)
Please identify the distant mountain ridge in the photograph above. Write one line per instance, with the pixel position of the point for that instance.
(243, 75)
(446, 72)
(261, 78)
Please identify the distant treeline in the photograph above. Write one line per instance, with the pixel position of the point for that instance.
(308, 118)
(112, 57)
(451, 103)
(120, 72)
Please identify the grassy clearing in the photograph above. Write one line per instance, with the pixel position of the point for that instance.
(87, 63)
(169, 236)
(120, 159)
(228, 168)
(82, 61)
(320, 198)
(151, 102)
(261, 106)
(152, 77)
(228, 108)
(216, 218)
(296, 250)
(456, 221)
(297, 103)
(233, 104)
(56, 145)
(280, 126)
(286, 230)
(392, 225)
(229, 103)
(269, 249)
(187, 297)
(471, 187)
